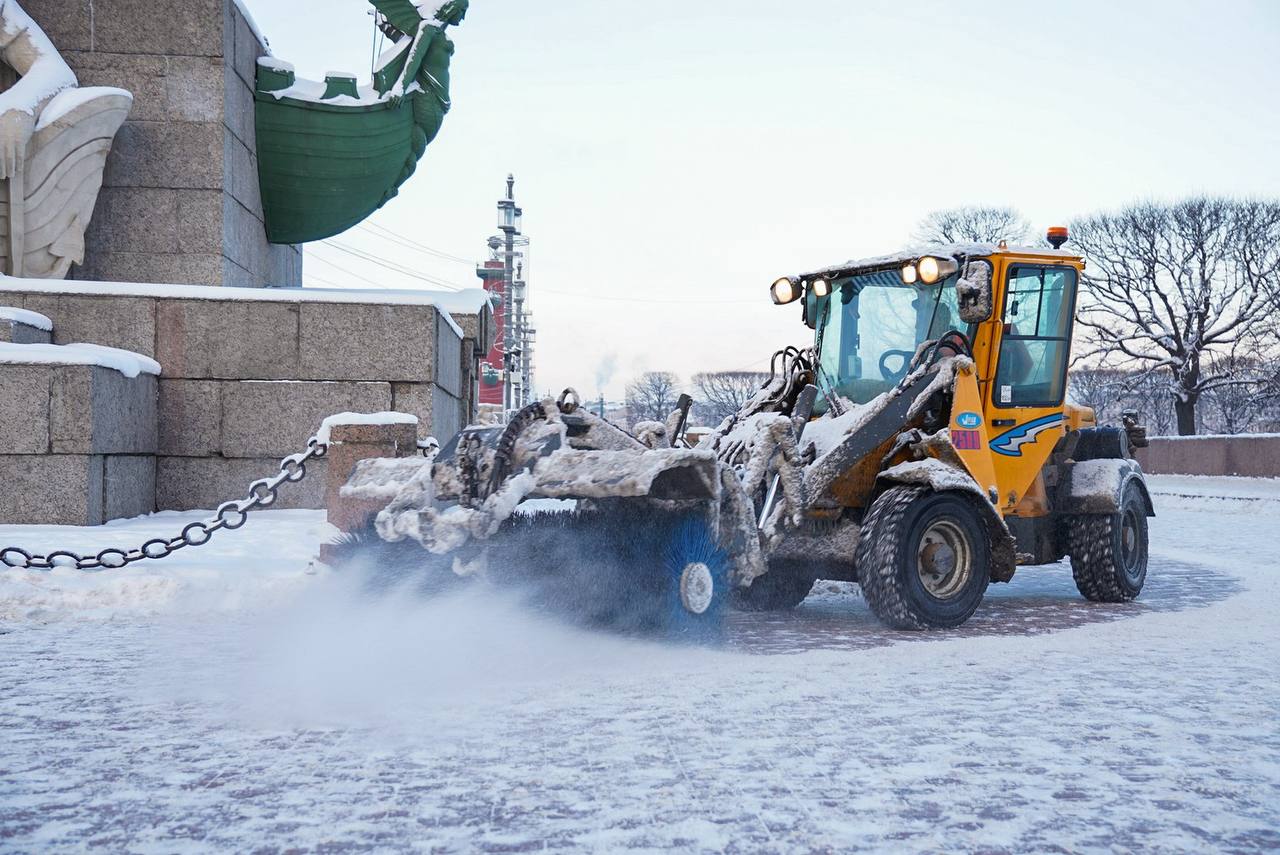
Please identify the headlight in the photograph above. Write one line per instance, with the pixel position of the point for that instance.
(785, 290)
(909, 274)
(821, 287)
(933, 268)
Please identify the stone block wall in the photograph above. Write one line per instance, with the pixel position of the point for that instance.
(477, 337)
(77, 444)
(1248, 455)
(16, 332)
(246, 377)
(350, 444)
(179, 202)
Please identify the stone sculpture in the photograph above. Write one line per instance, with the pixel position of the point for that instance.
(54, 141)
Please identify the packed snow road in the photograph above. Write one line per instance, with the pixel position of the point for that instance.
(229, 699)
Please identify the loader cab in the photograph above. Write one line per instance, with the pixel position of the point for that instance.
(1015, 306)
(868, 326)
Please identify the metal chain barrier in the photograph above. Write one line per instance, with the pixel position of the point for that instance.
(230, 516)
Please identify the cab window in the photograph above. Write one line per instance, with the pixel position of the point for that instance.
(1038, 306)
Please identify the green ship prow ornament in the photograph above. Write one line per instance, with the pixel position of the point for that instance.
(331, 153)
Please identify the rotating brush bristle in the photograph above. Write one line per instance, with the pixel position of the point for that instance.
(632, 569)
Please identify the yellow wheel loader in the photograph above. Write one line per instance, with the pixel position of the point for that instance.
(922, 447)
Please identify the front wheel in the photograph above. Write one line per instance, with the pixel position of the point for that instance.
(923, 559)
(1109, 551)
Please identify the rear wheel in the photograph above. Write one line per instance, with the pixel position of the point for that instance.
(924, 558)
(784, 586)
(1109, 551)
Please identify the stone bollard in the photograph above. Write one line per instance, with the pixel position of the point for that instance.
(348, 445)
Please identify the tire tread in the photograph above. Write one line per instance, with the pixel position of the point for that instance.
(1093, 558)
(877, 557)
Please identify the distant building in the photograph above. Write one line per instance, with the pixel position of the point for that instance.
(491, 375)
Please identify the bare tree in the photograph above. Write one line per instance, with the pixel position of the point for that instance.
(720, 394)
(1111, 392)
(652, 396)
(1102, 389)
(972, 224)
(1249, 403)
(1148, 395)
(1168, 286)
(1269, 420)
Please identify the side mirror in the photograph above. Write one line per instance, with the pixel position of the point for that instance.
(973, 290)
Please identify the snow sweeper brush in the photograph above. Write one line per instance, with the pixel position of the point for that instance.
(636, 541)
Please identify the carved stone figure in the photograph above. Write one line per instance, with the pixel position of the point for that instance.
(54, 141)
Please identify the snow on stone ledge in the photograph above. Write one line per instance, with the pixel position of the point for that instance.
(383, 418)
(26, 318)
(243, 9)
(127, 362)
(467, 301)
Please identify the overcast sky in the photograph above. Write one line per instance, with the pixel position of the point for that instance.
(672, 159)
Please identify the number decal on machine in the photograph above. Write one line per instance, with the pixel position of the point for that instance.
(966, 440)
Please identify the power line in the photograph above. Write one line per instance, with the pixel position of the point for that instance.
(364, 256)
(322, 281)
(751, 366)
(705, 301)
(409, 243)
(383, 232)
(342, 269)
(396, 268)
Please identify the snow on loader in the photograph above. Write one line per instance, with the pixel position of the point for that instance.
(922, 447)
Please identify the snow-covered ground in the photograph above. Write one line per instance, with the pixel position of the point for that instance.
(231, 698)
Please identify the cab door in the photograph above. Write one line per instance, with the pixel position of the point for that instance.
(1026, 394)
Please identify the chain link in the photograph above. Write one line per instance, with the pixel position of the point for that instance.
(230, 516)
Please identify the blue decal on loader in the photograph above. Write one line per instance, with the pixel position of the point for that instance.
(1011, 441)
(969, 420)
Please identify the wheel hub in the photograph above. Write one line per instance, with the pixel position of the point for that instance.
(696, 587)
(944, 559)
(1129, 551)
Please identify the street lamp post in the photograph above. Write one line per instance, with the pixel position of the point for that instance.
(509, 217)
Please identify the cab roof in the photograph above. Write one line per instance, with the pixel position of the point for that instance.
(953, 250)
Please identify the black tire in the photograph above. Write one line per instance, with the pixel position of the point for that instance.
(907, 536)
(784, 587)
(1109, 551)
